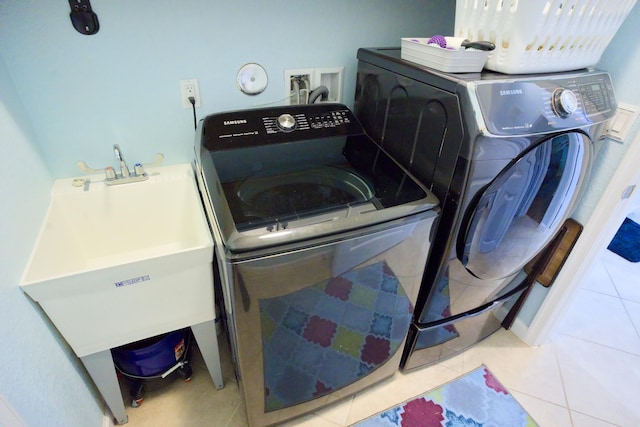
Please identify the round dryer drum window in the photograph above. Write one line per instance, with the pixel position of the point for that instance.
(514, 216)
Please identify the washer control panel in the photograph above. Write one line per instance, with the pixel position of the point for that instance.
(303, 121)
(277, 125)
(540, 104)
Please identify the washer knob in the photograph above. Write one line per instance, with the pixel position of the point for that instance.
(565, 102)
(286, 122)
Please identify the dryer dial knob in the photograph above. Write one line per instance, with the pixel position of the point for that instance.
(564, 102)
(286, 122)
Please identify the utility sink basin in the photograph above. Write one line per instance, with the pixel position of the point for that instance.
(116, 264)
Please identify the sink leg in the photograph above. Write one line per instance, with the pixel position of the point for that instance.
(205, 334)
(103, 373)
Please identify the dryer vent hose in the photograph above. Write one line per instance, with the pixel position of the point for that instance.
(320, 91)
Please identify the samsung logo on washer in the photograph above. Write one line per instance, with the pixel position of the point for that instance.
(511, 92)
(234, 122)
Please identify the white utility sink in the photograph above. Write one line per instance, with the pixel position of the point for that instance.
(117, 264)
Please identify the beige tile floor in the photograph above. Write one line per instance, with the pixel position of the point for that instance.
(587, 375)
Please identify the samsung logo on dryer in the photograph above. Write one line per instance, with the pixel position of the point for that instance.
(234, 122)
(511, 92)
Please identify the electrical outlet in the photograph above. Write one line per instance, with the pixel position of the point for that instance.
(188, 88)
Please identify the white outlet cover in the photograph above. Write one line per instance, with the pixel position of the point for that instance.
(622, 123)
(183, 91)
(252, 79)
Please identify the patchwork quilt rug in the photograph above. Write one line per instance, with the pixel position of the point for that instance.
(324, 337)
(473, 400)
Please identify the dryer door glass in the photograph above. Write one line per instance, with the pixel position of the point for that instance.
(519, 212)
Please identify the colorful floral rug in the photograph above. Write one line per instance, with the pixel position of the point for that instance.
(474, 400)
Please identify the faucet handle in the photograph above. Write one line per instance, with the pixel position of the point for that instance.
(109, 172)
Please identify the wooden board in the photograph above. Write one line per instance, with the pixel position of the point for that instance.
(570, 231)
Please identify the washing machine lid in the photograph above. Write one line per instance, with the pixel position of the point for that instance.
(271, 186)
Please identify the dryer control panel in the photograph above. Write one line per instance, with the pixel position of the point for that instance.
(277, 125)
(525, 106)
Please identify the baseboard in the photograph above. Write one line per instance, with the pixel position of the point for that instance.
(107, 419)
(520, 329)
(8, 417)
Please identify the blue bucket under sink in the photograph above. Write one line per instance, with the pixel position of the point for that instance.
(152, 356)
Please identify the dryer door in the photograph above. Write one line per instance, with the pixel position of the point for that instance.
(514, 216)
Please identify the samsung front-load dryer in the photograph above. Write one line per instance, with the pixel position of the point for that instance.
(508, 158)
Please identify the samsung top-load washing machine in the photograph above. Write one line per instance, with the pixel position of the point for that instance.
(321, 241)
(507, 156)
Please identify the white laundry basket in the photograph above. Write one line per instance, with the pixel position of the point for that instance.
(538, 36)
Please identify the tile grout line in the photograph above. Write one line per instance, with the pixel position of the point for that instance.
(599, 344)
(623, 265)
(564, 387)
(606, 269)
(595, 418)
(351, 399)
(626, 310)
(566, 400)
(601, 293)
(233, 413)
(511, 390)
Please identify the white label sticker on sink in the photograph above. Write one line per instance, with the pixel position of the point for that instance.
(132, 281)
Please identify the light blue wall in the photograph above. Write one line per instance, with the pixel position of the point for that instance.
(85, 93)
(622, 60)
(65, 97)
(38, 377)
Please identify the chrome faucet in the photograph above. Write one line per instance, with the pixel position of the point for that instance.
(124, 169)
(125, 176)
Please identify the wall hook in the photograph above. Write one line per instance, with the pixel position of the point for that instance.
(84, 20)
